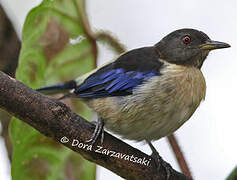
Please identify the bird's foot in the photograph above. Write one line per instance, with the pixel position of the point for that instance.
(99, 131)
(159, 161)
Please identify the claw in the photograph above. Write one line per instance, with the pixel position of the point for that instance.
(102, 136)
(99, 130)
(159, 161)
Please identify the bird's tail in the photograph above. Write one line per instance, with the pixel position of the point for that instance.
(58, 88)
(64, 88)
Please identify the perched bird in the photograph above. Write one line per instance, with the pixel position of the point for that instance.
(147, 93)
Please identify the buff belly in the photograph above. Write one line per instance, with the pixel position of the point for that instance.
(157, 108)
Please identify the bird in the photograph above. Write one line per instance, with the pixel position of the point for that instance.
(149, 92)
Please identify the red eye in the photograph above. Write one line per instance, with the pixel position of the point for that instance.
(186, 39)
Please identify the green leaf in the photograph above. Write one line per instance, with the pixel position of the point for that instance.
(55, 48)
(233, 175)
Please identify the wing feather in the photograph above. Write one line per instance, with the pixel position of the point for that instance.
(122, 76)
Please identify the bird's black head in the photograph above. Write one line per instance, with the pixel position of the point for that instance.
(187, 47)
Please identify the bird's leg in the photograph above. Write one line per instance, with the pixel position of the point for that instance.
(99, 130)
(159, 161)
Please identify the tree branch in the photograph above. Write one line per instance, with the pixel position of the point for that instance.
(179, 155)
(9, 52)
(54, 119)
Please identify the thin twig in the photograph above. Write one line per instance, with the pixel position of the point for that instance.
(179, 156)
(111, 41)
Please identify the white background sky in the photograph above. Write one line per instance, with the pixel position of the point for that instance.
(209, 137)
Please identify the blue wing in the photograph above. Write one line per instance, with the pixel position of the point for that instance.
(116, 82)
(122, 76)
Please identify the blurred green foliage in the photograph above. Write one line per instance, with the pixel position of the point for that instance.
(55, 48)
(233, 175)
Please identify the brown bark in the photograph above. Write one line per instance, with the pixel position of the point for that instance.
(179, 155)
(9, 45)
